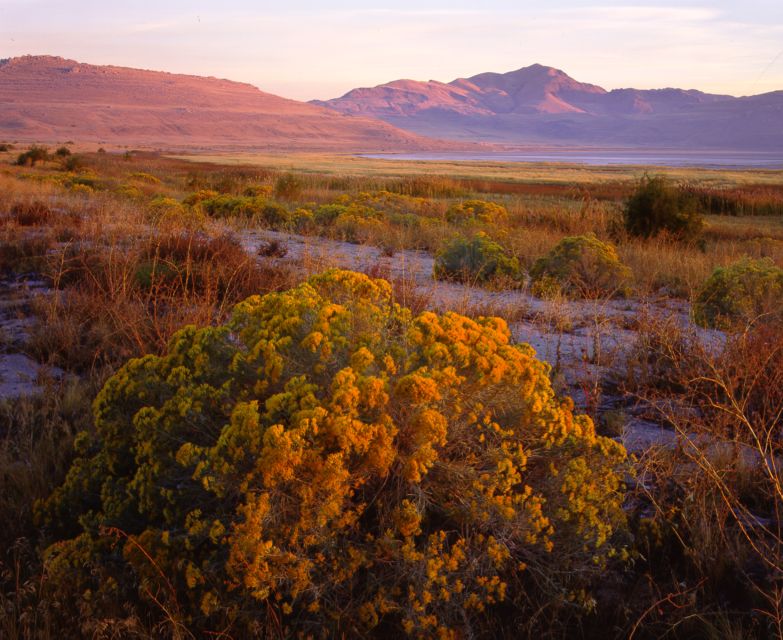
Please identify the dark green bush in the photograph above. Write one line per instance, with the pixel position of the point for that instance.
(658, 206)
(62, 152)
(582, 267)
(73, 163)
(478, 259)
(743, 292)
(33, 156)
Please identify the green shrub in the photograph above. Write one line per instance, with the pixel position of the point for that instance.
(581, 267)
(743, 292)
(476, 211)
(326, 451)
(658, 206)
(302, 221)
(259, 208)
(275, 215)
(141, 176)
(478, 259)
(62, 152)
(326, 214)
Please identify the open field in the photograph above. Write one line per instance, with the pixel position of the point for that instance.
(550, 173)
(657, 514)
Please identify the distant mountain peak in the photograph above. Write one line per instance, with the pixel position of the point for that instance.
(543, 104)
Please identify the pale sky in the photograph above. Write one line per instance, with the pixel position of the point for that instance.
(304, 50)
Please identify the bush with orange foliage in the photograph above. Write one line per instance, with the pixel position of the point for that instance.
(327, 463)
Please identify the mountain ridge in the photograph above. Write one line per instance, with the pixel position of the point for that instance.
(544, 105)
(53, 98)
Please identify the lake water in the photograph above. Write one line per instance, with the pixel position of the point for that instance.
(706, 159)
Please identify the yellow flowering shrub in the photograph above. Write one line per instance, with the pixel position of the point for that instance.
(328, 464)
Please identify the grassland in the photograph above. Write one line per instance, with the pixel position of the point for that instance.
(105, 256)
(536, 173)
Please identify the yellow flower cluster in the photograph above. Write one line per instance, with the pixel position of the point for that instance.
(329, 457)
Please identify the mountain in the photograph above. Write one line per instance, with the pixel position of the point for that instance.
(543, 105)
(47, 99)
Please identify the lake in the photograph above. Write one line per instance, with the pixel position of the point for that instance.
(705, 159)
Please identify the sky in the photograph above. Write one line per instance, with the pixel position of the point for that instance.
(307, 50)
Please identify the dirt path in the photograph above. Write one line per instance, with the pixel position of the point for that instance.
(20, 375)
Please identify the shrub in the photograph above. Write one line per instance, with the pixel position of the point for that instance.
(198, 263)
(270, 213)
(25, 254)
(129, 191)
(479, 259)
(288, 186)
(163, 209)
(33, 156)
(62, 152)
(141, 176)
(743, 292)
(658, 206)
(275, 215)
(32, 214)
(326, 451)
(395, 203)
(326, 214)
(255, 190)
(200, 196)
(302, 221)
(73, 163)
(357, 228)
(81, 188)
(581, 266)
(476, 211)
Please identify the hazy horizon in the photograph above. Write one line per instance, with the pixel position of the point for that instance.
(307, 52)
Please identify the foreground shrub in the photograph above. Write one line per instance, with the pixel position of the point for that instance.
(582, 267)
(743, 292)
(658, 206)
(476, 260)
(327, 463)
(476, 211)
